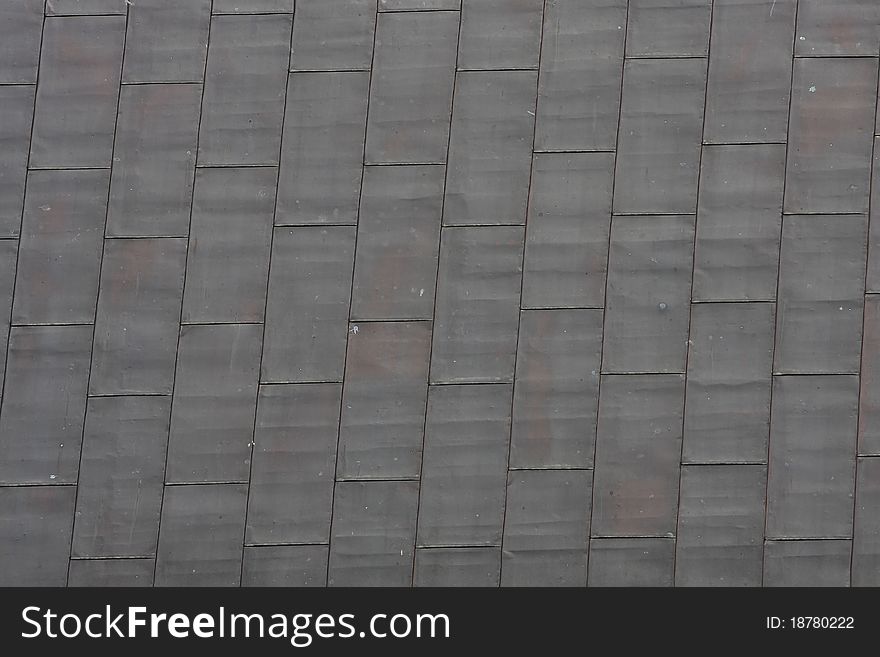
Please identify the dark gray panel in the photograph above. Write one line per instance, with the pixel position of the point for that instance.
(866, 541)
(464, 473)
(17, 109)
(812, 456)
(307, 311)
(740, 211)
(727, 416)
(200, 542)
(294, 459)
(383, 406)
(333, 34)
(490, 148)
(557, 388)
(111, 572)
(228, 261)
(869, 406)
(807, 563)
(252, 6)
(415, 5)
(721, 525)
(581, 66)
(649, 292)
(547, 528)
(477, 305)
(631, 562)
(873, 280)
(121, 477)
(8, 253)
(35, 525)
(668, 28)
(374, 525)
(154, 159)
(660, 134)
(20, 34)
(479, 566)
(59, 259)
(500, 34)
(398, 233)
(243, 103)
(842, 27)
(567, 230)
(285, 565)
(821, 287)
(215, 396)
(637, 455)
(323, 148)
(44, 403)
(830, 142)
(750, 70)
(78, 92)
(167, 40)
(85, 7)
(411, 94)
(138, 313)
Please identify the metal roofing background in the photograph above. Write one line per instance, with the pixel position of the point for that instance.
(436, 292)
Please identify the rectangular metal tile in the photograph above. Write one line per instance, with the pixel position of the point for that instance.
(20, 33)
(830, 141)
(557, 388)
(727, 415)
(307, 311)
(750, 71)
(498, 34)
(8, 253)
(664, 28)
(253, 6)
(35, 525)
(397, 248)
(866, 539)
(228, 262)
(567, 231)
(285, 565)
(111, 572)
(215, 396)
(873, 280)
(658, 151)
(631, 562)
(739, 217)
(812, 456)
(44, 403)
(84, 7)
(411, 94)
(374, 525)
(478, 566)
(581, 67)
(842, 27)
(547, 528)
(490, 149)
(418, 5)
(637, 455)
(154, 160)
(649, 291)
(807, 563)
(166, 41)
(17, 109)
(200, 541)
(721, 525)
(78, 92)
(333, 34)
(121, 477)
(138, 314)
(294, 459)
(322, 150)
(62, 235)
(477, 308)
(821, 294)
(243, 103)
(869, 405)
(383, 404)
(464, 471)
